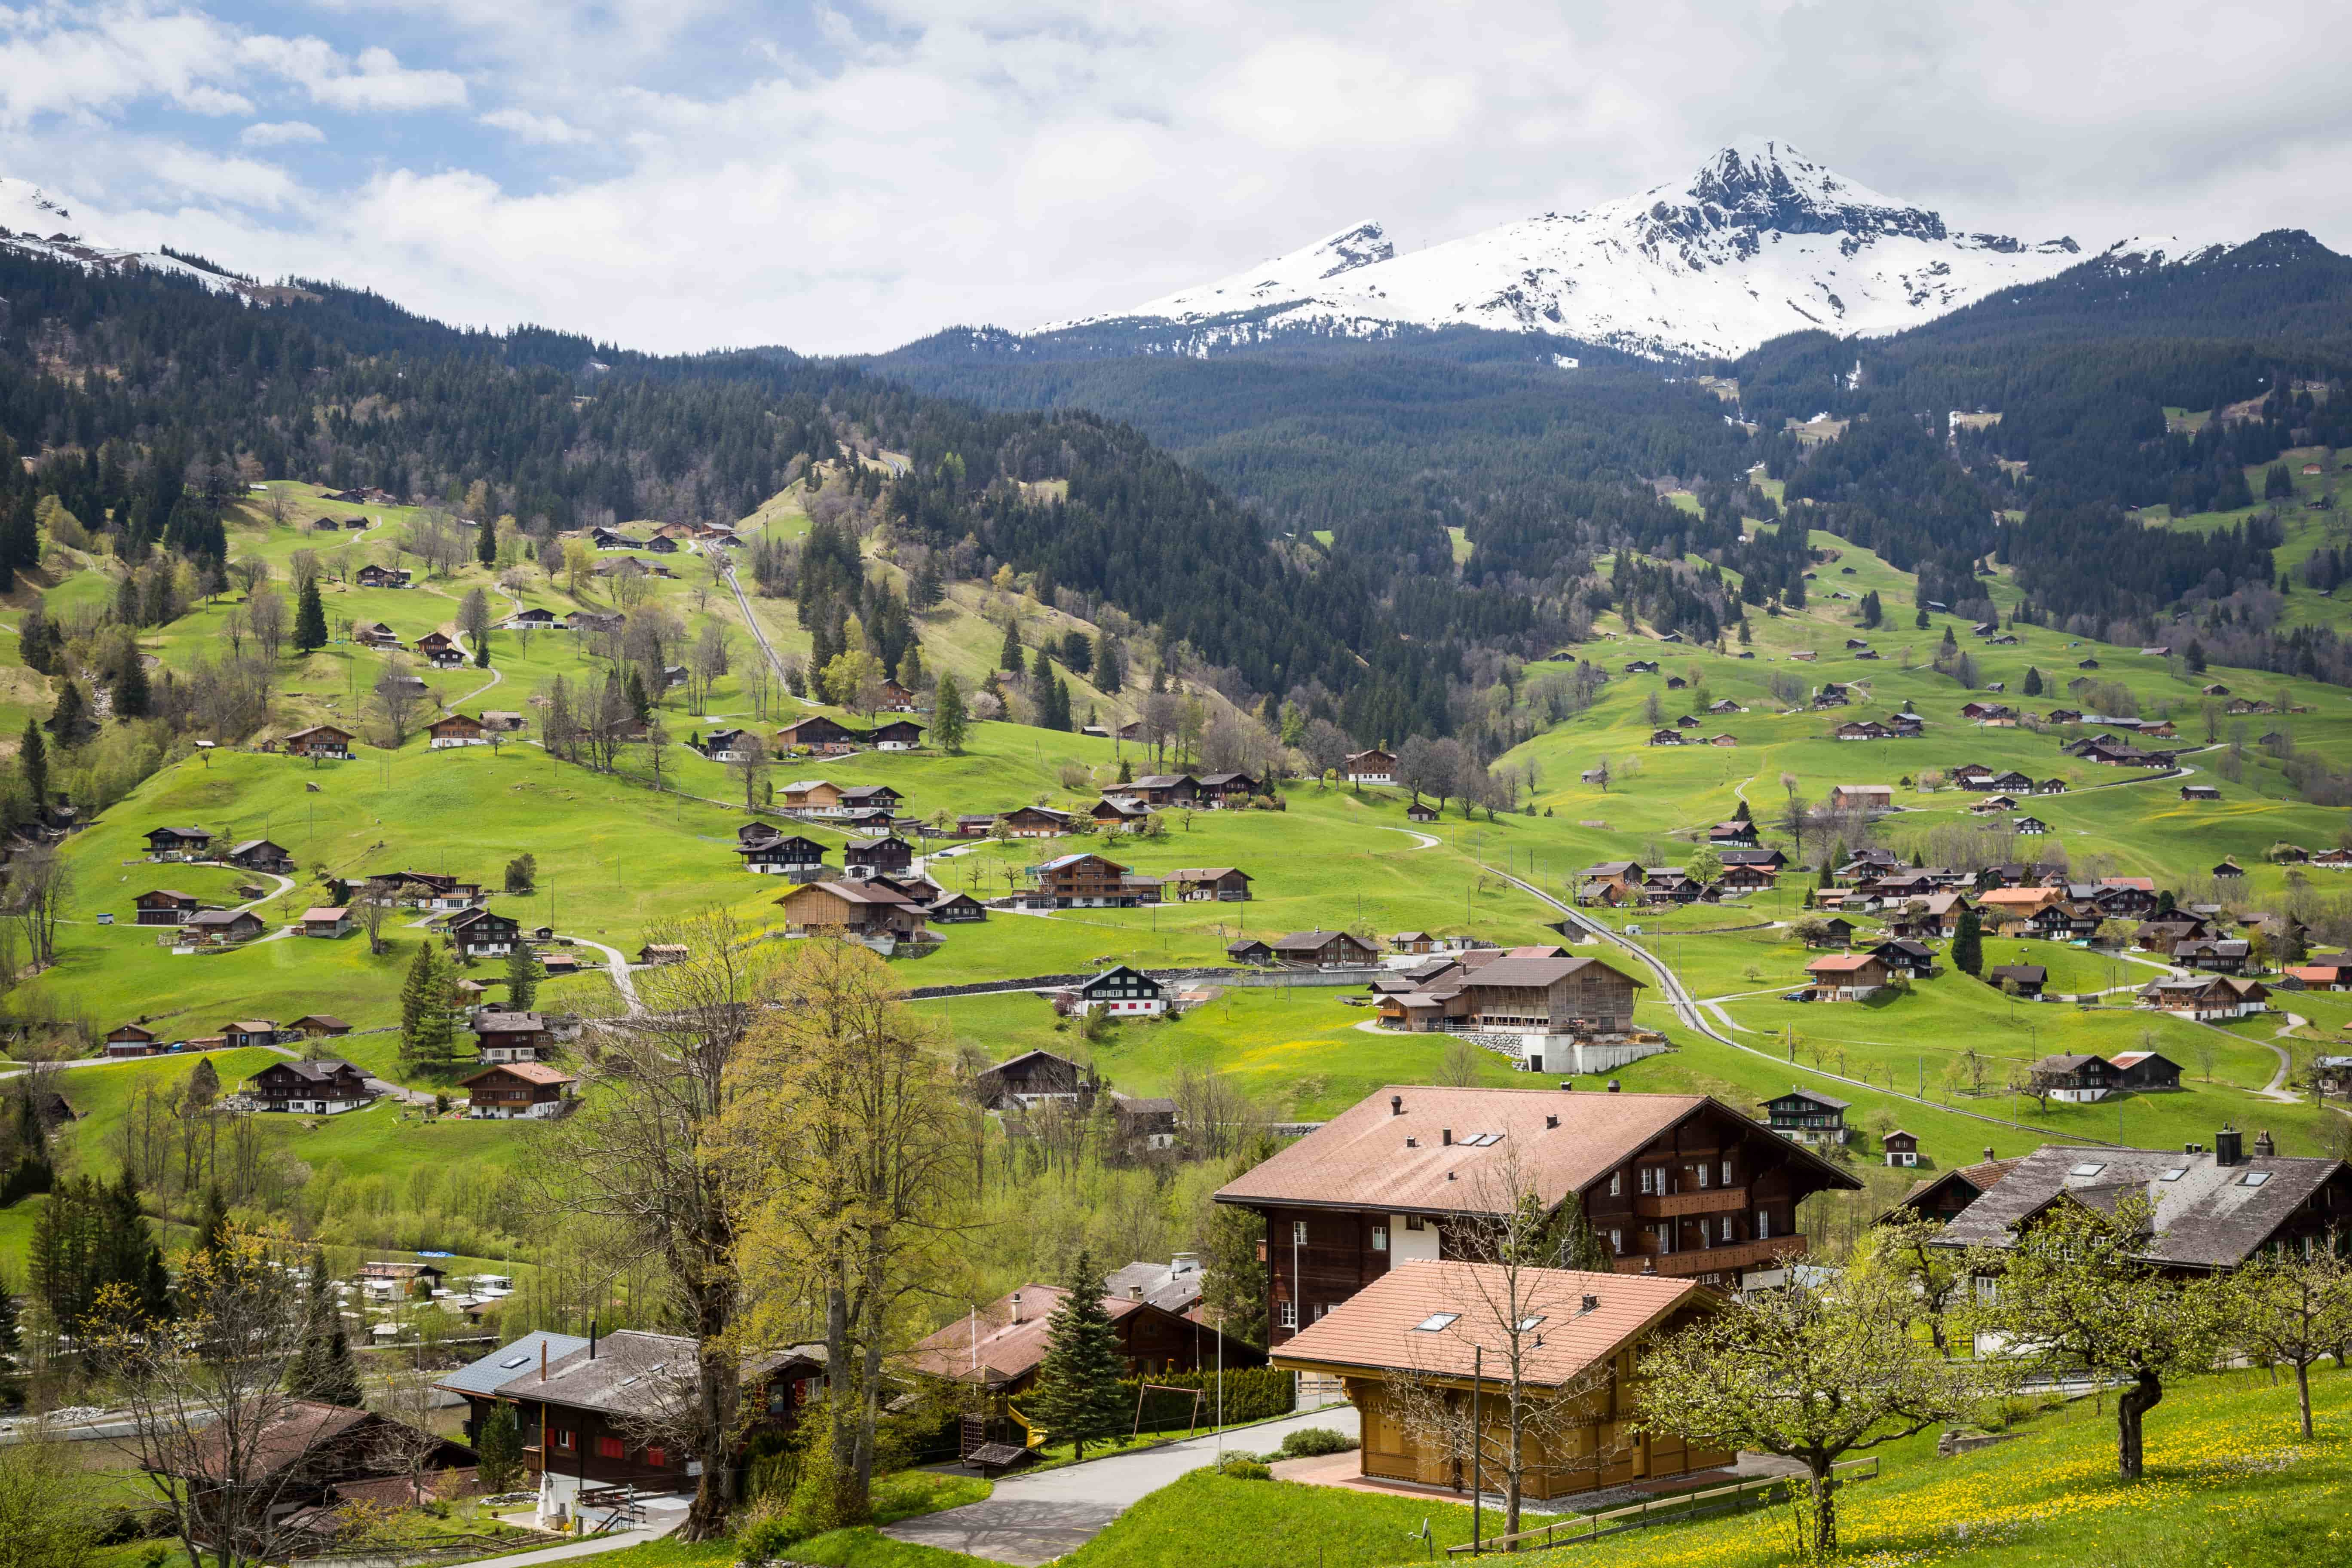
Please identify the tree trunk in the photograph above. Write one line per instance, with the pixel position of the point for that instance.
(2303, 1393)
(2131, 1406)
(1825, 1507)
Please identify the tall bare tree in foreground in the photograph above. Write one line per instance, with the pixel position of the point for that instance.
(213, 1426)
(643, 1162)
(852, 1125)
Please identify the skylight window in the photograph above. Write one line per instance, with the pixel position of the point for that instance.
(2089, 1168)
(1434, 1322)
(1527, 1325)
(2174, 1174)
(515, 1361)
(2254, 1178)
(1484, 1139)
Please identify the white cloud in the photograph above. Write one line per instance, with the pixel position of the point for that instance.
(855, 176)
(280, 133)
(541, 130)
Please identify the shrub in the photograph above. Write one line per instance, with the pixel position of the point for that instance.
(1243, 1468)
(1314, 1440)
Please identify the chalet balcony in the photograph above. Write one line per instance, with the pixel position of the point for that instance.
(1700, 1200)
(1711, 1259)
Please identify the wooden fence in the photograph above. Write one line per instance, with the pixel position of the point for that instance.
(1678, 1510)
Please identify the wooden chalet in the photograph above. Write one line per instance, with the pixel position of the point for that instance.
(1120, 992)
(1000, 1348)
(2075, 1078)
(311, 1089)
(222, 928)
(518, 1090)
(1090, 881)
(817, 733)
(852, 908)
(455, 729)
(586, 1404)
(1227, 790)
(1423, 1327)
(1119, 814)
(1421, 811)
(243, 1033)
(1322, 950)
(1900, 1149)
(441, 650)
(1033, 821)
(1034, 1078)
(374, 577)
(1679, 1185)
(1215, 884)
(482, 933)
(260, 854)
(319, 741)
(1942, 1198)
(1373, 767)
(1803, 1116)
(2206, 998)
(178, 844)
(165, 907)
(1847, 976)
(774, 854)
(1862, 797)
(2144, 1070)
(316, 1026)
(897, 735)
(885, 855)
(502, 1034)
(2022, 979)
(1163, 790)
(130, 1040)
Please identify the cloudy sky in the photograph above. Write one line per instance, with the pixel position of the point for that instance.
(687, 174)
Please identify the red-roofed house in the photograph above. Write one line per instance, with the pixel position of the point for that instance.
(1847, 976)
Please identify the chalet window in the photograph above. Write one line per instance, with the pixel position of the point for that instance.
(610, 1448)
(1649, 1181)
(1286, 1314)
(1616, 1183)
(1415, 1222)
(1702, 1175)
(1616, 1240)
(1763, 1224)
(1380, 1238)
(563, 1439)
(657, 1456)
(1727, 1227)
(1727, 1174)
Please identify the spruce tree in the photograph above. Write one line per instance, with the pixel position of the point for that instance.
(309, 619)
(1077, 1397)
(1108, 676)
(2033, 681)
(948, 719)
(486, 544)
(425, 1033)
(1008, 657)
(522, 978)
(1059, 717)
(1967, 944)
(498, 1449)
(130, 691)
(212, 1227)
(33, 763)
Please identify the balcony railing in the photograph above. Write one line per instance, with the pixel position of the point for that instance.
(1701, 1200)
(1710, 1259)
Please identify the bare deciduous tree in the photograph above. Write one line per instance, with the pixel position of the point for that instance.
(399, 697)
(40, 883)
(266, 612)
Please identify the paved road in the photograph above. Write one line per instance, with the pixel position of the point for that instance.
(1033, 1519)
(616, 964)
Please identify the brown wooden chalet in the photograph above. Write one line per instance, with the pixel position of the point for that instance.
(2145, 1070)
(584, 1404)
(130, 1040)
(773, 854)
(482, 933)
(887, 856)
(1421, 811)
(816, 733)
(1000, 1348)
(1940, 1198)
(1034, 822)
(1674, 1184)
(297, 1459)
(897, 735)
(1119, 814)
(165, 907)
(178, 843)
(1090, 881)
(502, 1034)
(220, 928)
(2211, 1210)
(374, 577)
(316, 1026)
(310, 1088)
(260, 854)
(319, 741)
(455, 729)
(1034, 1077)
(1220, 884)
(513, 1090)
(1322, 948)
(1165, 789)
(1227, 789)
(852, 908)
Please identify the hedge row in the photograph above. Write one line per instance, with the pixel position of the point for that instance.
(1256, 1393)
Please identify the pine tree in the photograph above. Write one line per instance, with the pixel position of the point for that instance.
(1008, 656)
(1041, 680)
(1739, 813)
(522, 978)
(639, 703)
(1059, 719)
(910, 666)
(130, 691)
(486, 546)
(1108, 676)
(309, 619)
(424, 1032)
(498, 1449)
(212, 1227)
(1919, 620)
(948, 721)
(1967, 944)
(2033, 681)
(1077, 1398)
(33, 763)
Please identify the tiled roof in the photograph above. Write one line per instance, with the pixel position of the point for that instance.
(1377, 1327)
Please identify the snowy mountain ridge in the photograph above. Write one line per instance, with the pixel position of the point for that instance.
(33, 223)
(1758, 242)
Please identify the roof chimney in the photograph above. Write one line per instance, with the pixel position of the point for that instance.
(1592, 1303)
(1568, 1084)
(1016, 1306)
(592, 1338)
(1989, 1156)
(1614, 1086)
(1445, 1136)
(1413, 1143)
(1550, 1122)
(2229, 1147)
(1396, 1105)
(542, 1358)
(2263, 1147)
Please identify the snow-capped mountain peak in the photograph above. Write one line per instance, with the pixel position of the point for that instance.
(1758, 241)
(35, 223)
